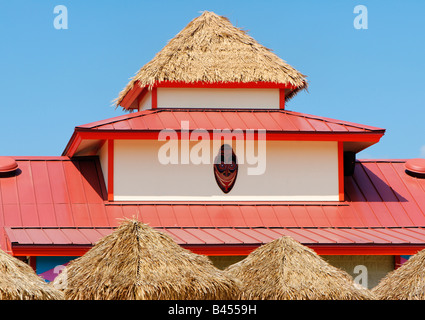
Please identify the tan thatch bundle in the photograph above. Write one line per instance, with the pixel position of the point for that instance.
(136, 262)
(211, 49)
(286, 270)
(404, 283)
(18, 281)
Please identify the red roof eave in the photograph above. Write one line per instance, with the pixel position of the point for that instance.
(229, 250)
(278, 125)
(82, 134)
(219, 241)
(324, 249)
(49, 250)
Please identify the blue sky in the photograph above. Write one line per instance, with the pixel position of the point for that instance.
(53, 80)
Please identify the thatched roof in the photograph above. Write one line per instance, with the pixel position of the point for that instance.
(286, 270)
(404, 283)
(211, 49)
(18, 281)
(136, 262)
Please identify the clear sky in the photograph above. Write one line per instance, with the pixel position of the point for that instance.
(52, 80)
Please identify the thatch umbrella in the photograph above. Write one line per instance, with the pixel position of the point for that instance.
(137, 262)
(18, 281)
(404, 283)
(210, 49)
(284, 269)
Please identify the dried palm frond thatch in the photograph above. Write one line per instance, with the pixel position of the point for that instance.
(284, 269)
(405, 283)
(137, 262)
(210, 49)
(18, 281)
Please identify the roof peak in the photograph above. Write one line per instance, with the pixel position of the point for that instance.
(210, 15)
(212, 50)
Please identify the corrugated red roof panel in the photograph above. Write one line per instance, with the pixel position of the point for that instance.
(210, 119)
(56, 235)
(200, 216)
(223, 236)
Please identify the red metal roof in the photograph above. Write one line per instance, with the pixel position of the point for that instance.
(222, 236)
(55, 201)
(210, 119)
(218, 240)
(280, 124)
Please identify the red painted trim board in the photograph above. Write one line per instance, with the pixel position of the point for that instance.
(232, 250)
(154, 98)
(341, 170)
(110, 170)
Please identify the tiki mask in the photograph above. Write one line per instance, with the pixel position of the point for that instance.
(225, 168)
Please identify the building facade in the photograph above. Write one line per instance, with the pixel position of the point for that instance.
(208, 153)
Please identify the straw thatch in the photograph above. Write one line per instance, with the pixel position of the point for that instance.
(286, 270)
(136, 262)
(18, 281)
(211, 49)
(404, 283)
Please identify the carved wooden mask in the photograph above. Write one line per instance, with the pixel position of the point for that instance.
(225, 168)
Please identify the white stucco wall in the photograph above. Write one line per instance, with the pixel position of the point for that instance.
(367, 270)
(295, 171)
(213, 98)
(146, 102)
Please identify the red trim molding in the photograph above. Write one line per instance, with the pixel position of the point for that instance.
(74, 143)
(341, 170)
(81, 134)
(299, 136)
(154, 98)
(231, 250)
(49, 251)
(337, 249)
(229, 85)
(131, 96)
(391, 250)
(110, 170)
